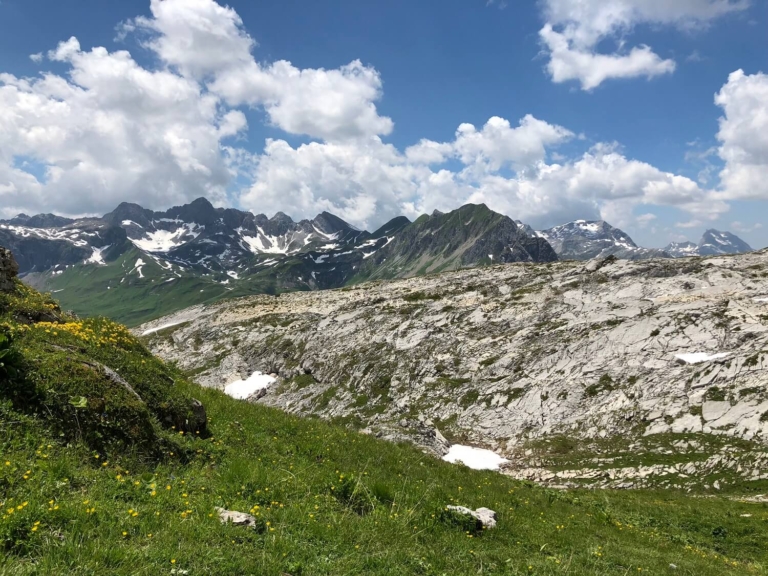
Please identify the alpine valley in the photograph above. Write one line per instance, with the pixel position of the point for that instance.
(135, 264)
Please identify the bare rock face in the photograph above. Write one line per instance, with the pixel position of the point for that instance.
(9, 269)
(609, 373)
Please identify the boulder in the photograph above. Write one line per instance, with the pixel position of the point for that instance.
(9, 269)
(485, 516)
(199, 420)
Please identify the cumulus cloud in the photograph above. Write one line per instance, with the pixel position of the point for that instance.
(111, 130)
(574, 28)
(498, 144)
(743, 136)
(370, 182)
(207, 41)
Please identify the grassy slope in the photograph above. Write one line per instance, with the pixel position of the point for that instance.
(93, 290)
(329, 501)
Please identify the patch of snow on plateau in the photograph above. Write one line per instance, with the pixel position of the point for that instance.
(699, 357)
(475, 458)
(257, 246)
(139, 264)
(164, 240)
(243, 389)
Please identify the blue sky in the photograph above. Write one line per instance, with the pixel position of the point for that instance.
(428, 67)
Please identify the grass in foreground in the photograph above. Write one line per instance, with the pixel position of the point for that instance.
(90, 500)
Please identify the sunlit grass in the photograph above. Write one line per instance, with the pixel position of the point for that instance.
(327, 500)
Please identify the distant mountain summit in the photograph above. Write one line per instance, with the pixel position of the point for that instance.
(712, 243)
(468, 236)
(584, 240)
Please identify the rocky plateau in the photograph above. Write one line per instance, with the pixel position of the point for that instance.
(606, 373)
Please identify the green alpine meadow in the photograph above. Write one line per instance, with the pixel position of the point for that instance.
(114, 463)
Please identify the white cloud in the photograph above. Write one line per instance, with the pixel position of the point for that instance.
(592, 69)
(689, 224)
(326, 104)
(602, 181)
(206, 41)
(369, 182)
(37, 58)
(498, 144)
(112, 131)
(742, 228)
(643, 220)
(574, 29)
(744, 136)
(199, 37)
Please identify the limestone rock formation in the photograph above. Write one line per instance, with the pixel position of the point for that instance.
(605, 373)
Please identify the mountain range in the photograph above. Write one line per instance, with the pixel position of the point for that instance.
(583, 240)
(135, 264)
(712, 243)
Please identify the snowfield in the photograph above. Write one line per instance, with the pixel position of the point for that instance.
(475, 458)
(699, 357)
(243, 389)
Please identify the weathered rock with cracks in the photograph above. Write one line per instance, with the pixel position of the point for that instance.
(578, 373)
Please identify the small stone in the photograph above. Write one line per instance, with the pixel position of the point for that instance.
(237, 518)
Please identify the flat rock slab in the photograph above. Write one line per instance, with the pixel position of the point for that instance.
(237, 518)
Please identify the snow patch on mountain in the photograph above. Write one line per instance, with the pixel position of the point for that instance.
(244, 389)
(97, 257)
(167, 240)
(475, 458)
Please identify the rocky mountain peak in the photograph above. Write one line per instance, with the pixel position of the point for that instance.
(587, 239)
(391, 227)
(128, 211)
(713, 242)
(331, 224)
(199, 211)
(717, 242)
(40, 221)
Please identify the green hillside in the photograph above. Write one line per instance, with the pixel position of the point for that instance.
(107, 467)
(118, 291)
